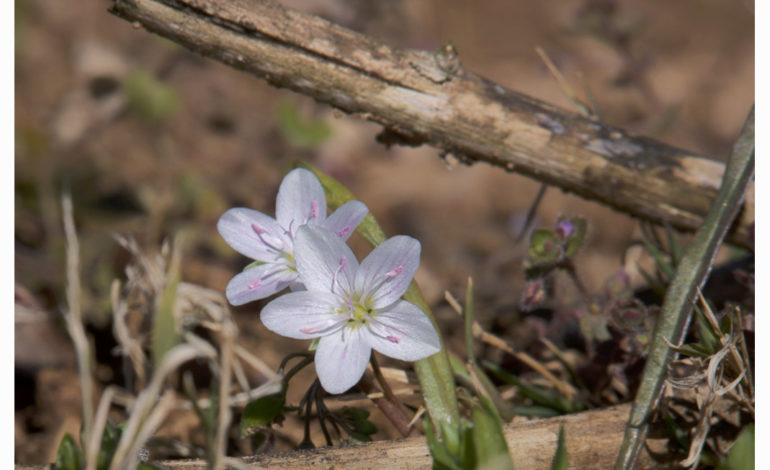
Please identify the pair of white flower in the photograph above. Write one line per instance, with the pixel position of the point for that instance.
(353, 308)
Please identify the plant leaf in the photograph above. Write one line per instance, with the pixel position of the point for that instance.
(68, 456)
(741, 455)
(560, 459)
(488, 438)
(262, 412)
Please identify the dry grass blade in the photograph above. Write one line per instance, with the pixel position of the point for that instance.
(707, 403)
(74, 317)
(563, 387)
(147, 398)
(128, 345)
(565, 87)
(229, 332)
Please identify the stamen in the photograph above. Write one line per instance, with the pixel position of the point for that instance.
(342, 233)
(395, 272)
(263, 235)
(341, 266)
(393, 339)
(314, 209)
(255, 284)
(308, 330)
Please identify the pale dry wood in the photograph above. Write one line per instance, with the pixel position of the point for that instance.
(593, 440)
(428, 98)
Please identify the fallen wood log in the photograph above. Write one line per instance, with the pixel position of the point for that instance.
(428, 98)
(593, 440)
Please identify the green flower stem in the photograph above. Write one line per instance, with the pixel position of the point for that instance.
(682, 292)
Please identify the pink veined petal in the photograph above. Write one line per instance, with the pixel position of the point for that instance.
(259, 282)
(344, 220)
(303, 315)
(388, 270)
(403, 332)
(300, 200)
(341, 358)
(252, 233)
(324, 261)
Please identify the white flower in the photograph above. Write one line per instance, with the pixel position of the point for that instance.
(300, 201)
(353, 308)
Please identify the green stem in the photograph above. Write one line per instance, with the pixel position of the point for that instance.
(680, 297)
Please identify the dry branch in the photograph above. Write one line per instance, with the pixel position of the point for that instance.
(428, 98)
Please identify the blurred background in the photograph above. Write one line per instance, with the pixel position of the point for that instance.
(152, 140)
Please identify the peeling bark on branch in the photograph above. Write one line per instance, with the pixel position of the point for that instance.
(428, 98)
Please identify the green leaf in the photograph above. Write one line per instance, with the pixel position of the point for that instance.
(694, 350)
(357, 420)
(594, 327)
(298, 130)
(165, 334)
(681, 436)
(536, 411)
(544, 246)
(577, 238)
(560, 459)
(488, 439)
(741, 455)
(68, 457)
(442, 459)
(147, 466)
(661, 259)
(538, 395)
(110, 439)
(262, 412)
(149, 98)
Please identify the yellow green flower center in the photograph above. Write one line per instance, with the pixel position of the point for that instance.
(362, 311)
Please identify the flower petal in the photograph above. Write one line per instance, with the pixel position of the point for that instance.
(344, 220)
(252, 233)
(404, 332)
(259, 282)
(388, 270)
(300, 200)
(324, 261)
(303, 315)
(341, 358)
